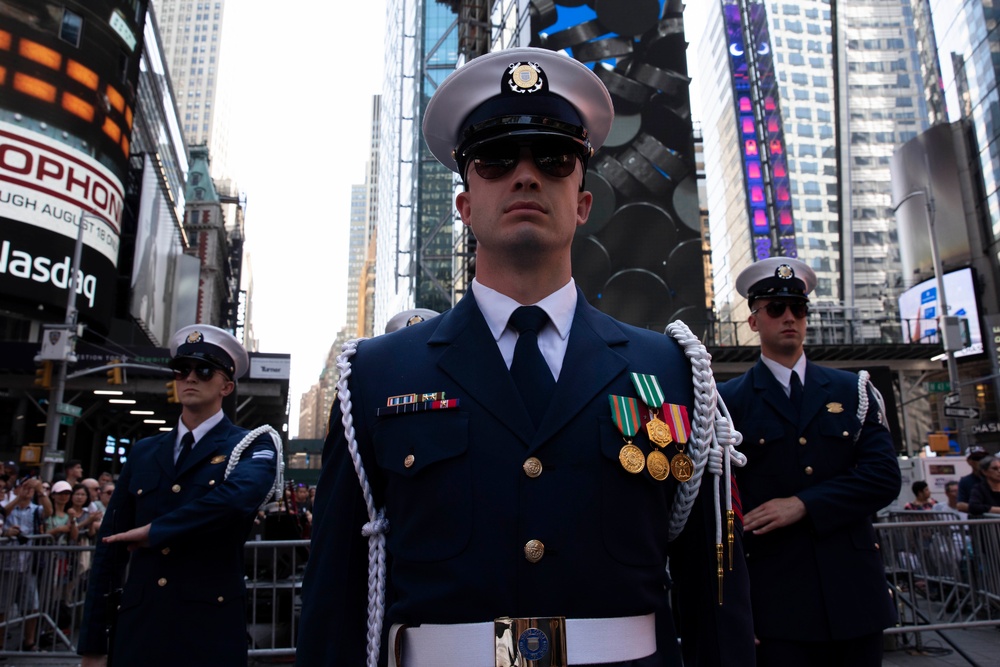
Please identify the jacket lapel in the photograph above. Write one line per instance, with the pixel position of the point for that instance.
(472, 359)
(212, 443)
(590, 365)
(773, 393)
(165, 453)
(816, 393)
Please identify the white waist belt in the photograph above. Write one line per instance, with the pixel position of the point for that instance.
(589, 641)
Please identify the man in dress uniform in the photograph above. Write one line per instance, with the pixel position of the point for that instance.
(816, 474)
(184, 524)
(497, 436)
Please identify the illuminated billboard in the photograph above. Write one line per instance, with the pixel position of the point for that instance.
(920, 310)
(68, 73)
(758, 115)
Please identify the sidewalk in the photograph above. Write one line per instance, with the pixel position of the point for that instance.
(980, 646)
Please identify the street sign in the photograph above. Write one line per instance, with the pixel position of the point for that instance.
(71, 410)
(961, 412)
(938, 387)
(66, 420)
(952, 399)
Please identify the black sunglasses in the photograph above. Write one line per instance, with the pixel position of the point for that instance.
(201, 371)
(553, 158)
(776, 309)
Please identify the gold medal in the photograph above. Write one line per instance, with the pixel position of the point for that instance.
(658, 465)
(659, 432)
(682, 467)
(631, 458)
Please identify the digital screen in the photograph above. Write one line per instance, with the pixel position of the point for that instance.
(768, 192)
(920, 310)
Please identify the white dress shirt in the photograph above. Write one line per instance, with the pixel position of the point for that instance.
(554, 336)
(199, 432)
(784, 374)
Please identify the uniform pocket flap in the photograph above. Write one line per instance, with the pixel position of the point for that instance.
(408, 444)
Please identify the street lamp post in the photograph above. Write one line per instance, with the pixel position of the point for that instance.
(59, 385)
(939, 278)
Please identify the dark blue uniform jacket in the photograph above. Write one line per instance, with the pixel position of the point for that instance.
(462, 510)
(184, 601)
(821, 578)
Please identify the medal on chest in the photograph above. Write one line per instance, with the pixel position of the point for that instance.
(625, 414)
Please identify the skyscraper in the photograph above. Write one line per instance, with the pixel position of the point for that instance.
(192, 40)
(415, 204)
(813, 98)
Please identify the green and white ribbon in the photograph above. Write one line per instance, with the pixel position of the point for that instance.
(649, 389)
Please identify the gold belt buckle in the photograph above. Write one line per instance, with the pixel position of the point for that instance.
(530, 642)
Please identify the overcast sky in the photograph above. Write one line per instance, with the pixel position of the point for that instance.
(305, 78)
(304, 81)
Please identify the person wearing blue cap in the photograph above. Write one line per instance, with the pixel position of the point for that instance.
(527, 509)
(178, 521)
(820, 463)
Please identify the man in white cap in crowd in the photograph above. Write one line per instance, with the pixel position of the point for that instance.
(503, 437)
(179, 524)
(816, 473)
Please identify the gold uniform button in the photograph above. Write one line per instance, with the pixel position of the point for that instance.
(846, 434)
(222, 599)
(211, 482)
(802, 440)
(176, 488)
(139, 492)
(532, 467)
(162, 581)
(534, 550)
(165, 551)
(761, 441)
(809, 470)
(408, 461)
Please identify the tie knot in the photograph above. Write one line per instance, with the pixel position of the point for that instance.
(528, 318)
(187, 439)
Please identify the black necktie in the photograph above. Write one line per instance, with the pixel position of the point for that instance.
(530, 372)
(186, 443)
(796, 391)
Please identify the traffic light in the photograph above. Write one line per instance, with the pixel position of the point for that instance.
(43, 375)
(172, 392)
(115, 374)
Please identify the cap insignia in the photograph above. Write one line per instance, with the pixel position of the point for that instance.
(524, 77)
(195, 337)
(784, 272)
(415, 319)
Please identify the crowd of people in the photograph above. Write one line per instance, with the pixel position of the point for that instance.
(66, 510)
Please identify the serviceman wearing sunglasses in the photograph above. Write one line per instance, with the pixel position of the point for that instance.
(816, 472)
(179, 524)
(521, 526)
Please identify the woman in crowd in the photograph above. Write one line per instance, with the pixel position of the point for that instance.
(87, 522)
(985, 496)
(62, 525)
(921, 497)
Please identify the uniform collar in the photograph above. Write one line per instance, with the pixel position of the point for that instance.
(201, 429)
(783, 374)
(497, 308)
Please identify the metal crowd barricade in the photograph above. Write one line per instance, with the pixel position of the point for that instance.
(54, 576)
(274, 571)
(60, 573)
(944, 572)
